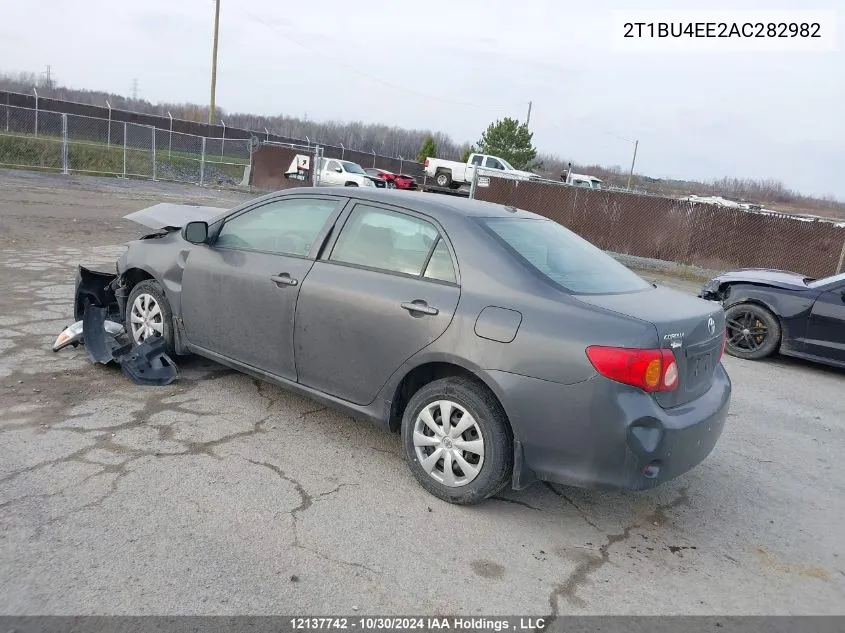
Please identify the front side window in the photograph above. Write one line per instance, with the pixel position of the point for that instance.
(353, 168)
(492, 163)
(387, 240)
(563, 257)
(285, 227)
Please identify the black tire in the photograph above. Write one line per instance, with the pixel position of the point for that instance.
(443, 179)
(152, 288)
(497, 465)
(763, 331)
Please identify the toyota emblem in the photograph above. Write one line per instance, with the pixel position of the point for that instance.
(711, 325)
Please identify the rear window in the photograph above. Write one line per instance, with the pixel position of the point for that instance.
(563, 257)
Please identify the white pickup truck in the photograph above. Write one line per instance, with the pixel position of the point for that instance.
(580, 180)
(453, 174)
(333, 172)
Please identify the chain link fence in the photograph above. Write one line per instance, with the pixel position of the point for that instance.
(71, 143)
(681, 231)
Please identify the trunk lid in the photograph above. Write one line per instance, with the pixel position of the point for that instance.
(688, 326)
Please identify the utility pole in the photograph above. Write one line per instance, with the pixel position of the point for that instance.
(634, 160)
(528, 118)
(134, 90)
(49, 77)
(214, 62)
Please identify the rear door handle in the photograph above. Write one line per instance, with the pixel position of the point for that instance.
(421, 306)
(283, 280)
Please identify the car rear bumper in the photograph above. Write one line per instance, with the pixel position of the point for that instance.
(600, 434)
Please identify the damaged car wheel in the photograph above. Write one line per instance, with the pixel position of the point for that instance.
(148, 314)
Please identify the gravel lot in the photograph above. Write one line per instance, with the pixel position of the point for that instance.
(220, 495)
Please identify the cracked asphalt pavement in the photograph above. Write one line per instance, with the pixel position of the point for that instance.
(219, 494)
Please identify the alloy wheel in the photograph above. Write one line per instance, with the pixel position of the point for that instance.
(746, 331)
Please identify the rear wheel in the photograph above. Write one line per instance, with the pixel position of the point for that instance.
(752, 331)
(457, 441)
(443, 179)
(148, 314)
(391, 184)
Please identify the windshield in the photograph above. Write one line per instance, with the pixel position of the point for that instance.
(563, 257)
(826, 280)
(352, 168)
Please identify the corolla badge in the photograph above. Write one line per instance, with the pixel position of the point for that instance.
(711, 325)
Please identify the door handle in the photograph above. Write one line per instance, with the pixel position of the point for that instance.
(422, 306)
(283, 280)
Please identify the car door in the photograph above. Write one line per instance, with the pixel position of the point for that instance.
(826, 329)
(387, 289)
(473, 163)
(331, 175)
(239, 292)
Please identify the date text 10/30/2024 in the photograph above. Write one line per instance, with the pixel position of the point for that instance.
(419, 623)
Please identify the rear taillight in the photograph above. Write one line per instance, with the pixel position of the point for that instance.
(425, 164)
(649, 369)
(724, 341)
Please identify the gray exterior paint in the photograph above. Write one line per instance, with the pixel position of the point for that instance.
(341, 336)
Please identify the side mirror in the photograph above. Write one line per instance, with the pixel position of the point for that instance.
(339, 170)
(195, 232)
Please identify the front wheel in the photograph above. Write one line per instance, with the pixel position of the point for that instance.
(443, 179)
(457, 441)
(752, 331)
(148, 315)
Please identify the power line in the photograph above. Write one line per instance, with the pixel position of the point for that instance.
(388, 84)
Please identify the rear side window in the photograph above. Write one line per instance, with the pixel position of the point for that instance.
(377, 238)
(440, 265)
(563, 257)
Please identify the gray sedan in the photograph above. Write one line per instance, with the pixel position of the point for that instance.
(503, 347)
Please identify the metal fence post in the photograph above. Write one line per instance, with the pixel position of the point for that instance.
(108, 138)
(64, 145)
(841, 266)
(170, 137)
(153, 156)
(124, 149)
(202, 162)
(474, 184)
(36, 111)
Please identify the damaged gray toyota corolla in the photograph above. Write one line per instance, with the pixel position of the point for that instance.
(505, 348)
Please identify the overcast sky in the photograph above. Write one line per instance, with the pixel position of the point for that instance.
(457, 65)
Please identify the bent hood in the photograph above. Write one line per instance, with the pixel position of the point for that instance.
(173, 216)
(769, 277)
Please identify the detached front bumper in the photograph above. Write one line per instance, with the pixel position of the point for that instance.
(599, 434)
(102, 289)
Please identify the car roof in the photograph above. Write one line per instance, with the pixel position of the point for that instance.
(435, 205)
